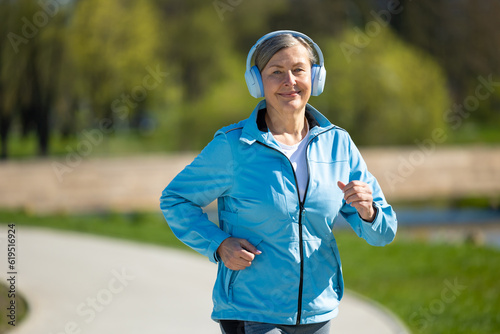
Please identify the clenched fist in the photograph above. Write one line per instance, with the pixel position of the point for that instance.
(359, 195)
(237, 254)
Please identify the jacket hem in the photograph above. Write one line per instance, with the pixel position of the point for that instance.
(274, 319)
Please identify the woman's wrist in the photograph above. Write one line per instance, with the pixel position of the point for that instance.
(372, 214)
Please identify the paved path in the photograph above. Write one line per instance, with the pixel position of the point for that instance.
(79, 284)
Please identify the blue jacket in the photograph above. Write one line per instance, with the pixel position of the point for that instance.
(298, 277)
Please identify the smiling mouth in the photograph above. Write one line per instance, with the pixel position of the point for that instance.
(290, 94)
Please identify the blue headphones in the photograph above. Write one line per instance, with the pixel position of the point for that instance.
(254, 79)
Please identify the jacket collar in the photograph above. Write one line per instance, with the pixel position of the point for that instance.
(256, 128)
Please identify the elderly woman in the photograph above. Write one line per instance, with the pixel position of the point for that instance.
(280, 177)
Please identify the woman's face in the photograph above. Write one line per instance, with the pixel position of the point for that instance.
(287, 80)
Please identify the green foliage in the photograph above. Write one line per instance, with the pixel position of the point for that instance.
(481, 105)
(225, 102)
(112, 43)
(384, 93)
(463, 42)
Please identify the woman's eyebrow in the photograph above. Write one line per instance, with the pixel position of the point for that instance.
(281, 66)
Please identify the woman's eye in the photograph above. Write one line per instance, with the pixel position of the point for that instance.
(276, 72)
(299, 70)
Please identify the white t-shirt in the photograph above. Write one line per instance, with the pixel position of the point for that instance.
(297, 156)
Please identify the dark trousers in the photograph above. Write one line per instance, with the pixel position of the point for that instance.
(232, 327)
(244, 327)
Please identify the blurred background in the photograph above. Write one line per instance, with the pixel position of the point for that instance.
(162, 75)
(102, 103)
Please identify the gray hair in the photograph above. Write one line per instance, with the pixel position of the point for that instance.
(270, 47)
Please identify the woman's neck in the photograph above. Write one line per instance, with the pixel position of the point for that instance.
(288, 129)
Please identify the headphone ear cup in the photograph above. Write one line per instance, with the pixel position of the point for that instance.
(254, 82)
(318, 75)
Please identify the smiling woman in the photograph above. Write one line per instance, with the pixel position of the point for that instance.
(280, 177)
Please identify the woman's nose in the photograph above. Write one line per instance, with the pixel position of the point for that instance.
(289, 78)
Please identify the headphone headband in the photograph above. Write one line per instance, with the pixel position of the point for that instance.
(252, 73)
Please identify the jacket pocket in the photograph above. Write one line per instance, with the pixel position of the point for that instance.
(333, 245)
(232, 276)
(227, 220)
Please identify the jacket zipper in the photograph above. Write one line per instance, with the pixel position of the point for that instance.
(302, 210)
(301, 245)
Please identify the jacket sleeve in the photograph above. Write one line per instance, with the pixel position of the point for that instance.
(383, 228)
(208, 177)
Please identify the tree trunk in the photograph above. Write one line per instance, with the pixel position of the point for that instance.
(5, 121)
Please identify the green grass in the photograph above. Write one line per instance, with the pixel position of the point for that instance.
(137, 226)
(472, 133)
(459, 202)
(433, 288)
(112, 144)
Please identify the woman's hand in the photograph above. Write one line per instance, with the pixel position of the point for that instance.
(359, 195)
(237, 254)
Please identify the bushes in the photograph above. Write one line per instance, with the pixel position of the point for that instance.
(383, 93)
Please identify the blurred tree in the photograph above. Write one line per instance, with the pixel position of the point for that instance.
(249, 20)
(5, 114)
(31, 54)
(198, 47)
(463, 36)
(204, 63)
(317, 18)
(384, 93)
(68, 67)
(115, 47)
(225, 102)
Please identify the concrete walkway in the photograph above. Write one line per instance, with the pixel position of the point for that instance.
(77, 284)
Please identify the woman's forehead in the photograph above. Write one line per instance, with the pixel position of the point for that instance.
(296, 54)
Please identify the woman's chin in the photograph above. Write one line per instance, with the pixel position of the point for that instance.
(293, 105)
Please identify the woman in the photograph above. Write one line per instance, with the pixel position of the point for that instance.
(281, 177)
